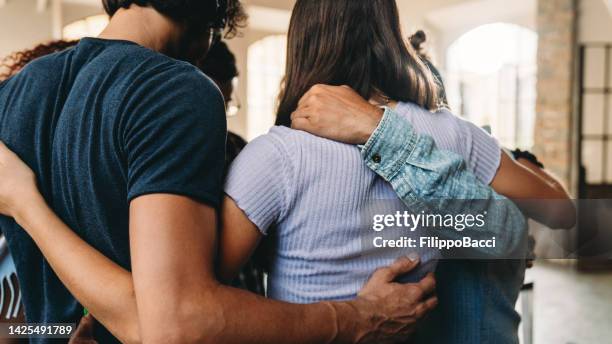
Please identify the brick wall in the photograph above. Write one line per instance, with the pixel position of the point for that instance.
(556, 21)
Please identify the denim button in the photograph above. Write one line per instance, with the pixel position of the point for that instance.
(376, 158)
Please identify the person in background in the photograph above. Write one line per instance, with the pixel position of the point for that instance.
(220, 66)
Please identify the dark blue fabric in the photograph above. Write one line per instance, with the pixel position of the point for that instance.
(101, 124)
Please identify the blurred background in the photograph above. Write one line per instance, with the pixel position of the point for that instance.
(536, 73)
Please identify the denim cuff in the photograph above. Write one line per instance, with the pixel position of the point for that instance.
(390, 146)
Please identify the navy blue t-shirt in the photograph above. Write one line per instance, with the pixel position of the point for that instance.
(101, 124)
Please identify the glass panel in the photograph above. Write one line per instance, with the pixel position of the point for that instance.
(609, 119)
(610, 67)
(592, 114)
(594, 67)
(609, 163)
(591, 159)
(609, 167)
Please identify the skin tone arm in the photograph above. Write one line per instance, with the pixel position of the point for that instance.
(339, 113)
(539, 195)
(239, 238)
(204, 310)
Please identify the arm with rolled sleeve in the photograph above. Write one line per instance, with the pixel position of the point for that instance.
(437, 181)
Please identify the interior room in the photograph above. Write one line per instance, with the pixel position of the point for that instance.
(536, 74)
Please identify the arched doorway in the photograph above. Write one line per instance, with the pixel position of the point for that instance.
(491, 80)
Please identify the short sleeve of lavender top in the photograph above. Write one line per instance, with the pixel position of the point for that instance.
(481, 151)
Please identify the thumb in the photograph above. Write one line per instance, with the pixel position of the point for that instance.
(400, 267)
(403, 265)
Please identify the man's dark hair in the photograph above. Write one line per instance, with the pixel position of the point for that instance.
(218, 14)
(220, 63)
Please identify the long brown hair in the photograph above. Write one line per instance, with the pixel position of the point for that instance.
(357, 43)
(13, 63)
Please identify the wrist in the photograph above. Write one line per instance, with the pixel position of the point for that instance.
(374, 116)
(351, 328)
(28, 209)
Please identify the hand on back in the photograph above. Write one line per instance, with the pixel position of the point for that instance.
(392, 310)
(17, 183)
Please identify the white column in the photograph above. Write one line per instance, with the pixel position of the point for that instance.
(57, 19)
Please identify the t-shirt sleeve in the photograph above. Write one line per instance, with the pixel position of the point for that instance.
(483, 150)
(174, 138)
(259, 181)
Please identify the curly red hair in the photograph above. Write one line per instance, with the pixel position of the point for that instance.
(13, 63)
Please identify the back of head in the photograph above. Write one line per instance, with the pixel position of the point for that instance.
(353, 43)
(216, 14)
(220, 63)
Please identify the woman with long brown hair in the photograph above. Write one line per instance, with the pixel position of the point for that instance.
(308, 195)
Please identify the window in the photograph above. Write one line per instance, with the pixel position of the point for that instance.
(491, 80)
(266, 67)
(596, 117)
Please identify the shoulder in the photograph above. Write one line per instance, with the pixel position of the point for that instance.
(45, 70)
(181, 79)
(147, 75)
(443, 126)
(281, 146)
(171, 88)
(274, 144)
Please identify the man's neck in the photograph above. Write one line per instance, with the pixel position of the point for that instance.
(142, 25)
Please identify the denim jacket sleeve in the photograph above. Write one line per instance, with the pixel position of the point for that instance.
(429, 179)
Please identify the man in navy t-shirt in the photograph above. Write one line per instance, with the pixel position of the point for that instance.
(103, 124)
(127, 140)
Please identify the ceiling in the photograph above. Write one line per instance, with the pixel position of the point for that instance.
(278, 4)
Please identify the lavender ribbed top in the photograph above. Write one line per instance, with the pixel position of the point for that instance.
(310, 195)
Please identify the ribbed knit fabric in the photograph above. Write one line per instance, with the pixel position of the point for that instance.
(313, 197)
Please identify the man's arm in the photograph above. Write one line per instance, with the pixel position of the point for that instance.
(173, 242)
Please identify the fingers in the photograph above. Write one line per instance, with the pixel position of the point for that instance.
(300, 119)
(320, 90)
(425, 307)
(313, 92)
(300, 124)
(401, 266)
(428, 284)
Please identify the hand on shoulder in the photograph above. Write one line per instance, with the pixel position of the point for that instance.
(337, 113)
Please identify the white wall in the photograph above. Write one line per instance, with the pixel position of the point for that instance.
(448, 23)
(21, 26)
(594, 21)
